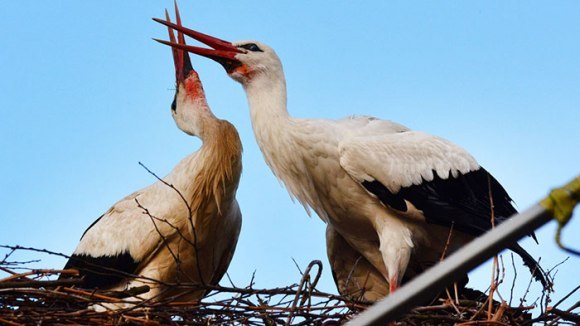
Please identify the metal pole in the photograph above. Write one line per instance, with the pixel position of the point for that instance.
(435, 279)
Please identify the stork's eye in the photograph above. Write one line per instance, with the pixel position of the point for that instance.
(252, 47)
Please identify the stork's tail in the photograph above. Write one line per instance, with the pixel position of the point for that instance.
(537, 272)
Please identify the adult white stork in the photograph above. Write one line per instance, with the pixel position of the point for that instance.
(385, 191)
(183, 228)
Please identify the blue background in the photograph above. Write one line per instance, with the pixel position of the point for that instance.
(85, 95)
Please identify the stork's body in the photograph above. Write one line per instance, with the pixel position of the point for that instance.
(389, 193)
(183, 229)
(313, 157)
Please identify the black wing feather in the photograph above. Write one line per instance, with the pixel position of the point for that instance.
(101, 272)
(463, 201)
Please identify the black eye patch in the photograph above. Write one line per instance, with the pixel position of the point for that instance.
(173, 105)
(251, 47)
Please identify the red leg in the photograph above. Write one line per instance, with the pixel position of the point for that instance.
(393, 284)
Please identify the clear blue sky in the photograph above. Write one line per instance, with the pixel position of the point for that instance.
(85, 95)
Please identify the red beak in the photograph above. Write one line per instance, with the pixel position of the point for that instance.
(181, 59)
(222, 51)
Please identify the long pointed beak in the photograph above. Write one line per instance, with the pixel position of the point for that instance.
(222, 51)
(181, 59)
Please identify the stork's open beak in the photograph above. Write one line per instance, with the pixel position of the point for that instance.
(222, 51)
(181, 59)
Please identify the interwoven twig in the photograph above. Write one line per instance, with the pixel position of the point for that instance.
(35, 296)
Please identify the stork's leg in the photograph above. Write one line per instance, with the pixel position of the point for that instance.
(396, 247)
(393, 284)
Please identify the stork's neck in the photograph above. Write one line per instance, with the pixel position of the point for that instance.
(212, 174)
(267, 100)
(279, 136)
(222, 166)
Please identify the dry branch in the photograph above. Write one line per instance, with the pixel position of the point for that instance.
(36, 297)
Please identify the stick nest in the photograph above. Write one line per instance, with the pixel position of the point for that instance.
(36, 296)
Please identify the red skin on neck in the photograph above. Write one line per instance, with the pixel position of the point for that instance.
(193, 85)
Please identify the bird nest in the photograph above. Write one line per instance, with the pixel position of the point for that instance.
(36, 296)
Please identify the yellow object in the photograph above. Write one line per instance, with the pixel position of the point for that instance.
(560, 203)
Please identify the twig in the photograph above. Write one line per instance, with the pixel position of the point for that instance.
(350, 273)
(305, 278)
(38, 284)
(7, 322)
(500, 311)
(163, 238)
(494, 266)
(72, 272)
(566, 297)
(296, 304)
(567, 315)
(141, 320)
(190, 218)
(513, 279)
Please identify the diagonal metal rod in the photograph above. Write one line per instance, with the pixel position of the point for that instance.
(435, 279)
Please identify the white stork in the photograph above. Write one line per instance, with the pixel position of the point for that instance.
(183, 229)
(389, 193)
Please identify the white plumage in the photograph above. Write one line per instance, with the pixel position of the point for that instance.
(388, 193)
(403, 159)
(183, 229)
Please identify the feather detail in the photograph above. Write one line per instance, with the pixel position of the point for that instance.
(219, 169)
(403, 159)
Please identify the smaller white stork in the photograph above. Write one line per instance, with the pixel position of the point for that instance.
(183, 229)
(388, 193)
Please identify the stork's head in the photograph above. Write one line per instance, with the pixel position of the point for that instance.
(189, 108)
(244, 61)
